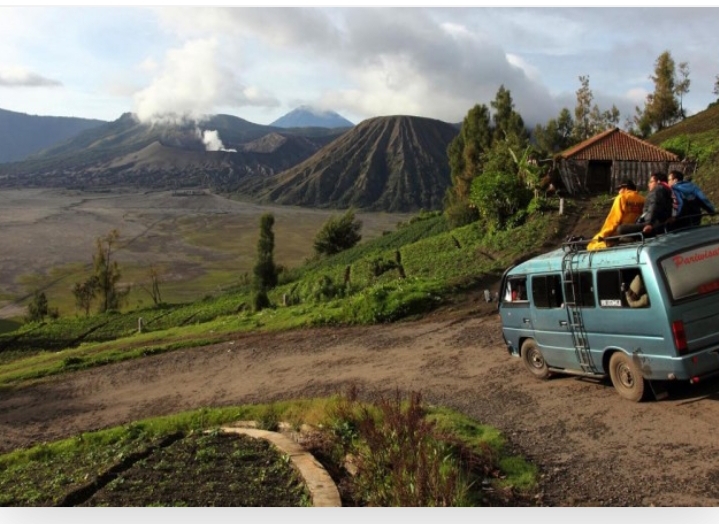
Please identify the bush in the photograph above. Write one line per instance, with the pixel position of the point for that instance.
(460, 214)
(402, 459)
(338, 234)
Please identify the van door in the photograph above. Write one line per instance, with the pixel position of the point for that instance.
(549, 319)
(515, 313)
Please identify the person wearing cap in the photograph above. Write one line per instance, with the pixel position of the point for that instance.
(626, 209)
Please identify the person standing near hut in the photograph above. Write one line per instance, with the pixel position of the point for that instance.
(626, 209)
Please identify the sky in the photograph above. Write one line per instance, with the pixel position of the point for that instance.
(259, 63)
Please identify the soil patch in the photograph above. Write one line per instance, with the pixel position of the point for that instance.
(213, 469)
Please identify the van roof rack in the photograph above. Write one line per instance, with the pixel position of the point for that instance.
(581, 243)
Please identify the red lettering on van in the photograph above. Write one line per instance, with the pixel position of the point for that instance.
(709, 287)
(680, 260)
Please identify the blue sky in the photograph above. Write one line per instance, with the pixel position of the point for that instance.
(260, 63)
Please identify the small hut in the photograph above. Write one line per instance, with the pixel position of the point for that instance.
(598, 164)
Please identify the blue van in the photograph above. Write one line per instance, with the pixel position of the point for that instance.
(643, 312)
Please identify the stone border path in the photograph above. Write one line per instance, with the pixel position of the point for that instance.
(322, 488)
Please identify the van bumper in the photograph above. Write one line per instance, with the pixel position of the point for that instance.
(692, 367)
(701, 378)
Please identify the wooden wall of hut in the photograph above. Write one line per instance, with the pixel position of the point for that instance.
(574, 173)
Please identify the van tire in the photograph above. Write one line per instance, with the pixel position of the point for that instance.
(534, 360)
(627, 377)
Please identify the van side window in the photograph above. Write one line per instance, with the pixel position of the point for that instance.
(580, 289)
(547, 291)
(621, 288)
(515, 290)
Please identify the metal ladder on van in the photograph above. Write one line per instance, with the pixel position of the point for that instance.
(574, 312)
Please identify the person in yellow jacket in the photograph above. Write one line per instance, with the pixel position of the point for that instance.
(626, 209)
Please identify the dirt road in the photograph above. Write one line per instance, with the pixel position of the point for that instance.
(592, 447)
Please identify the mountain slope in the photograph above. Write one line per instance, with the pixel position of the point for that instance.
(697, 138)
(215, 153)
(394, 164)
(22, 135)
(305, 116)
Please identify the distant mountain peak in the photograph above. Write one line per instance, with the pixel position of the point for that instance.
(307, 116)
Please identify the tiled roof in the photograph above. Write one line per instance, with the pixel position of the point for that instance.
(615, 144)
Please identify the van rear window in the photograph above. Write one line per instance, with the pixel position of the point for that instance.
(693, 272)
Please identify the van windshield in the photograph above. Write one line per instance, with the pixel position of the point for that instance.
(693, 272)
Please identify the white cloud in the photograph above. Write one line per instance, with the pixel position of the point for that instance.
(191, 84)
(528, 69)
(20, 77)
(260, 63)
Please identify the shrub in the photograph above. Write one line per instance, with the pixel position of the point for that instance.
(402, 459)
(338, 234)
(460, 214)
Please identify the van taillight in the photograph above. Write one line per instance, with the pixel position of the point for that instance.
(680, 336)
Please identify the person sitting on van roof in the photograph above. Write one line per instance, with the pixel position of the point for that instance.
(636, 294)
(690, 201)
(626, 209)
(659, 209)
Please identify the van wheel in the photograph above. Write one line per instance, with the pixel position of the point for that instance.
(626, 377)
(534, 360)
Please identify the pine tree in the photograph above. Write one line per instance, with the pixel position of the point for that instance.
(662, 108)
(557, 135)
(466, 152)
(265, 271)
(589, 119)
(507, 122)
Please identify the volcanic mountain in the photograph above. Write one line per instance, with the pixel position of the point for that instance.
(215, 153)
(394, 164)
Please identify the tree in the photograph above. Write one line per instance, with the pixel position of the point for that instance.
(502, 191)
(37, 309)
(84, 294)
(264, 272)
(589, 119)
(556, 136)
(661, 108)
(338, 234)
(107, 272)
(716, 85)
(467, 150)
(507, 122)
(682, 86)
(154, 289)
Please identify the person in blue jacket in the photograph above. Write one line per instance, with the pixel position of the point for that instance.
(690, 201)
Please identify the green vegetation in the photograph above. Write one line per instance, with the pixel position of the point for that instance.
(338, 234)
(696, 138)
(403, 452)
(433, 264)
(265, 271)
